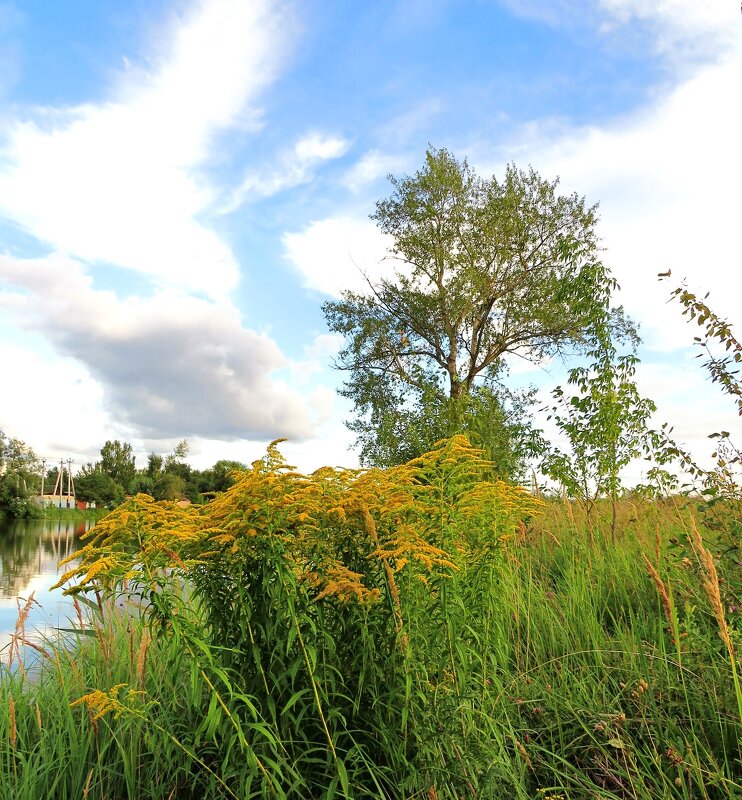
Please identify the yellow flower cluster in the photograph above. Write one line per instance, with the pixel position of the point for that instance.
(343, 534)
(100, 703)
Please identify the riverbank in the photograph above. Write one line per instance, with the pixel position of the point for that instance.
(51, 512)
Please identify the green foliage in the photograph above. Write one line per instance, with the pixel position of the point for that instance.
(154, 465)
(723, 367)
(720, 486)
(220, 477)
(540, 667)
(494, 419)
(487, 268)
(118, 462)
(95, 485)
(605, 424)
(20, 476)
(291, 572)
(168, 486)
(722, 352)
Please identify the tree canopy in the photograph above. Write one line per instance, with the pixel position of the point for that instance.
(485, 268)
(19, 476)
(118, 462)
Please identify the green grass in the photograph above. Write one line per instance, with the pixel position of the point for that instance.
(547, 669)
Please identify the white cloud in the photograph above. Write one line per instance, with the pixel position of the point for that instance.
(372, 166)
(319, 148)
(117, 182)
(703, 25)
(679, 30)
(295, 168)
(170, 365)
(334, 254)
(324, 345)
(55, 405)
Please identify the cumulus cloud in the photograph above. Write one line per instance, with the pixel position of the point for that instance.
(54, 403)
(170, 365)
(118, 181)
(335, 254)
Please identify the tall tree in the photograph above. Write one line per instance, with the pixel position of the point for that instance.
(486, 267)
(118, 462)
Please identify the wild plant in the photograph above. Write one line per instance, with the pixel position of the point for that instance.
(605, 424)
(339, 610)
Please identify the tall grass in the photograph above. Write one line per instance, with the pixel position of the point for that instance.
(408, 633)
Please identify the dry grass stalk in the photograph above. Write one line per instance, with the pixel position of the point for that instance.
(11, 715)
(553, 537)
(37, 648)
(78, 610)
(38, 716)
(103, 645)
(711, 587)
(19, 636)
(568, 506)
(86, 788)
(524, 753)
(469, 784)
(663, 593)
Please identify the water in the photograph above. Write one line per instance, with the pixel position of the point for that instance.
(30, 552)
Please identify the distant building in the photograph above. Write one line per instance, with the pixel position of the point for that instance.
(56, 500)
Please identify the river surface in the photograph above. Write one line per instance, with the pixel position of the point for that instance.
(30, 552)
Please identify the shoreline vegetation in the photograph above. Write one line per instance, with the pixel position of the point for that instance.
(51, 512)
(411, 632)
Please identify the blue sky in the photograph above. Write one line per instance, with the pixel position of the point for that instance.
(182, 184)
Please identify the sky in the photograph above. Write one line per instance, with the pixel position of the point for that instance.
(183, 184)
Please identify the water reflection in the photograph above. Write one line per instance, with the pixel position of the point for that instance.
(30, 552)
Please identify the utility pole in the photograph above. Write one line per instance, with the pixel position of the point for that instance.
(43, 473)
(70, 485)
(60, 481)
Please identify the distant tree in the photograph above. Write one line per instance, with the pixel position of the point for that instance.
(93, 484)
(222, 474)
(20, 477)
(170, 477)
(178, 456)
(488, 267)
(118, 462)
(154, 465)
(169, 486)
(142, 484)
